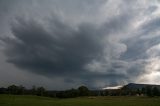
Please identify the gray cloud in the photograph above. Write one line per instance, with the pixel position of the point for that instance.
(63, 51)
(90, 42)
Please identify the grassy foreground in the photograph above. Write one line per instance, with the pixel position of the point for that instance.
(15, 100)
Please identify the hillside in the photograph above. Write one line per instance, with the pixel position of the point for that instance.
(134, 86)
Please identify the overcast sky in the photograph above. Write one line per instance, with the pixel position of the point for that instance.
(60, 44)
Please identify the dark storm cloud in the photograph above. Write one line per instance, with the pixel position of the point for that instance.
(91, 42)
(63, 51)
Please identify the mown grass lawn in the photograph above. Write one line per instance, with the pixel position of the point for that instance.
(25, 100)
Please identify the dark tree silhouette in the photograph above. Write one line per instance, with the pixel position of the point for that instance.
(40, 91)
(33, 90)
(13, 89)
(155, 91)
(149, 91)
(83, 91)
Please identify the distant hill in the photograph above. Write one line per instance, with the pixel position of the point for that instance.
(134, 86)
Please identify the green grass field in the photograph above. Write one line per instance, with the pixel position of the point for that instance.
(14, 100)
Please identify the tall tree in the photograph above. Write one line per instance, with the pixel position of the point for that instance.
(83, 91)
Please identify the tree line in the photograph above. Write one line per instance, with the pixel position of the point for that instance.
(80, 91)
(41, 91)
